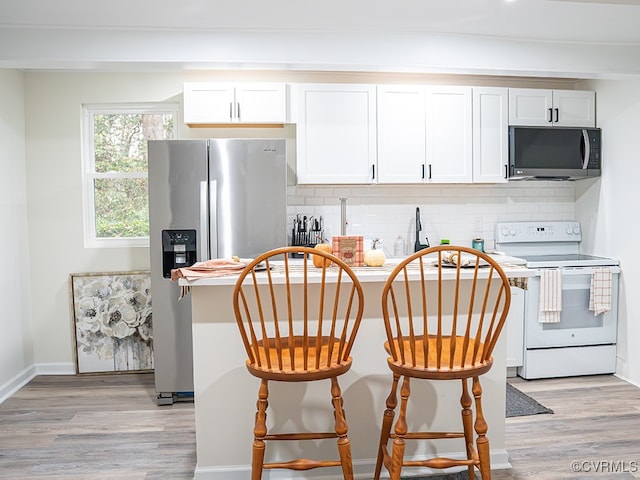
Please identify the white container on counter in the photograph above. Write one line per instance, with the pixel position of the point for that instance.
(398, 247)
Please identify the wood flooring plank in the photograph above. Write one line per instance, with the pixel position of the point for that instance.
(594, 423)
(95, 427)
(108, 427)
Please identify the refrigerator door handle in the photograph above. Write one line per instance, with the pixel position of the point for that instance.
(213, 219)
(203, 254)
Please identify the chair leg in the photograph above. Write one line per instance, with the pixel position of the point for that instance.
(259, 432)
(387, 422)
(344, 445)
(467, 422)
(397, 455)
(482, 442)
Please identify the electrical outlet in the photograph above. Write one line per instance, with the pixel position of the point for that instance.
(477, 224)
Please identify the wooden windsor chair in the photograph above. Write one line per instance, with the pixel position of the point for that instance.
(298, 323)
(442, 328)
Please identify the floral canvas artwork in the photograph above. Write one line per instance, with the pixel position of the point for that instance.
(112, 321)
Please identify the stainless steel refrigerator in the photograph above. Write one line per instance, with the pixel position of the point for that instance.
(207, 199)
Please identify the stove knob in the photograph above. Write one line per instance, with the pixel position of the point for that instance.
(512, 231)
(504, 231)
(569, 230)
(576, 230)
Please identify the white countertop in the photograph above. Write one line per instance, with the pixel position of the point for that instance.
(512, 266)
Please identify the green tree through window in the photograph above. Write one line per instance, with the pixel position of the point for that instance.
(117, 190)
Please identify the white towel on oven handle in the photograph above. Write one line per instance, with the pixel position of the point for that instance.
(550, 305)
(600, 292)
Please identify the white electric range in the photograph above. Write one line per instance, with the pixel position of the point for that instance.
(581, 343)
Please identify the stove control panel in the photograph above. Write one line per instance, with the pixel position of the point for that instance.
(536, 232)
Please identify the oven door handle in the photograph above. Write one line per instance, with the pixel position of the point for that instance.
(570, 271)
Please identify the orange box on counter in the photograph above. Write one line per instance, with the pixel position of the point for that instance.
(349, 249)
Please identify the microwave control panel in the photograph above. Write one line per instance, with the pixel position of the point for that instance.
(595, 151)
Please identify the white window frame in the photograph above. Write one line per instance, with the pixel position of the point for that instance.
(89, 172)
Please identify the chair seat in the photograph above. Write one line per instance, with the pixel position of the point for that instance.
(289, 365)
(419, 366)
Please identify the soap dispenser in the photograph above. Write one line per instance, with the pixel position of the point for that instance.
(398, 247)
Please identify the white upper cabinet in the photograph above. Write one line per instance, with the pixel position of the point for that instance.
(574, 108)
(490, 134)
(449, 134)
(401, 134)
(540, 107)
(467, 134)
(335, 133)
(216, 103)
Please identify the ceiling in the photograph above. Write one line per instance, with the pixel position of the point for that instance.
(582, 38)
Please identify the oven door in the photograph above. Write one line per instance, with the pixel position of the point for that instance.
(578, 325)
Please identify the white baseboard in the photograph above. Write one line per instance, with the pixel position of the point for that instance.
(55, 369)
(17, 382)
(363, 469)
(21, 379)
(628, 380)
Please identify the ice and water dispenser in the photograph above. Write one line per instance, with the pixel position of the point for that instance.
(178, 250)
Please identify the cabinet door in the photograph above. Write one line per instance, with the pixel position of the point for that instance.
(530, 106)
(336, 129)
(207, 102)
(401, 134)
(564, 108)
(574, 108)
(260, 103)
(490, 134)
(449, 135)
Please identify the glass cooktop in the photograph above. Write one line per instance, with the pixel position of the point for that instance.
(568, 260)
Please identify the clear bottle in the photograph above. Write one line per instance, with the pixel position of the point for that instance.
(398, 247)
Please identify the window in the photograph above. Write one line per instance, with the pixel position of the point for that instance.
(116, 200)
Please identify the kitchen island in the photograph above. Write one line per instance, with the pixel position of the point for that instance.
(225, 393)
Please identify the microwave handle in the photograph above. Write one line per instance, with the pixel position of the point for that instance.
(587, 148)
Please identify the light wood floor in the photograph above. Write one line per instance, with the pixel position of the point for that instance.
(596, 419)
(108, 427)
(95, 427)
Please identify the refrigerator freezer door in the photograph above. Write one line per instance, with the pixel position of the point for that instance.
(248, 192)
(177, 174)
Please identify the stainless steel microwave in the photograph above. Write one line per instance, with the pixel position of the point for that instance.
(554, 153)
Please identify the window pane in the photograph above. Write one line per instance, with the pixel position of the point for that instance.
(122, 207)
(120, 141)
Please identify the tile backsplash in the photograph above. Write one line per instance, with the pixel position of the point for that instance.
(458, 212)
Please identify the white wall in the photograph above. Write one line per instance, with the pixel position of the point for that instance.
(53, 112)
(53, 117)
(608, 208)
(16, 348)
